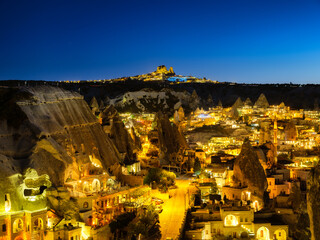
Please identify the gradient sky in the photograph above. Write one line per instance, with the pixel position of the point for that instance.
(258, 41)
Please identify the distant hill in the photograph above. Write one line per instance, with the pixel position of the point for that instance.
(208, 92)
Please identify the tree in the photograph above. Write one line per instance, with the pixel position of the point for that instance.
(152, 176)
(147, 225)
(121, 222)
(161, 177)
(169, 176)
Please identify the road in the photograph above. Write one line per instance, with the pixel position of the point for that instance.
(173, 210)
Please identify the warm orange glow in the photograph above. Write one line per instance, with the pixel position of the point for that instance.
(231, 220)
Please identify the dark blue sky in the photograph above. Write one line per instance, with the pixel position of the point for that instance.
(241, 41)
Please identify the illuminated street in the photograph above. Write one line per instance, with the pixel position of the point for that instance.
(174, 210)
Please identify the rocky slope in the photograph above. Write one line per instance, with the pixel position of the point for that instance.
(52, 124)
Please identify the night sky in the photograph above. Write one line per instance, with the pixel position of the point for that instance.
(260, 41)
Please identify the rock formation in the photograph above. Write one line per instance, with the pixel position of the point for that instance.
(209, 101)
(171, 141)
(106, 101)
(249, 172)
(238, 103)
(195, 100)
(234, 112)
(176, 119)
(64, 205)
(313, 202)
(107, 115)
(148, 100)
(162, 69)
(94, 105)
(123, 140)
(101, 106)
(262, 102)
(248, 102)
(282, 105)
(181, 113)
(21, 190)
(56, 125)
(270, 153)
(171, 71)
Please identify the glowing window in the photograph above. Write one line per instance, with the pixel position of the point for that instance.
(17, 225)
(96, 185)
(230, 220)
(7, 203)
(38, 224)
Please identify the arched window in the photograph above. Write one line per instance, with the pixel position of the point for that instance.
(17, 225)
(96, 185)
(263, 233)
(38, 224)
(256, 206)
(85, 205)
(86, 187)
(280, 234)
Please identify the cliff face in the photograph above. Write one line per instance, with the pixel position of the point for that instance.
(249, 172)
(54, 132)
(313, 202)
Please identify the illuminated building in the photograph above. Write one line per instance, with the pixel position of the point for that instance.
(236, 222)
